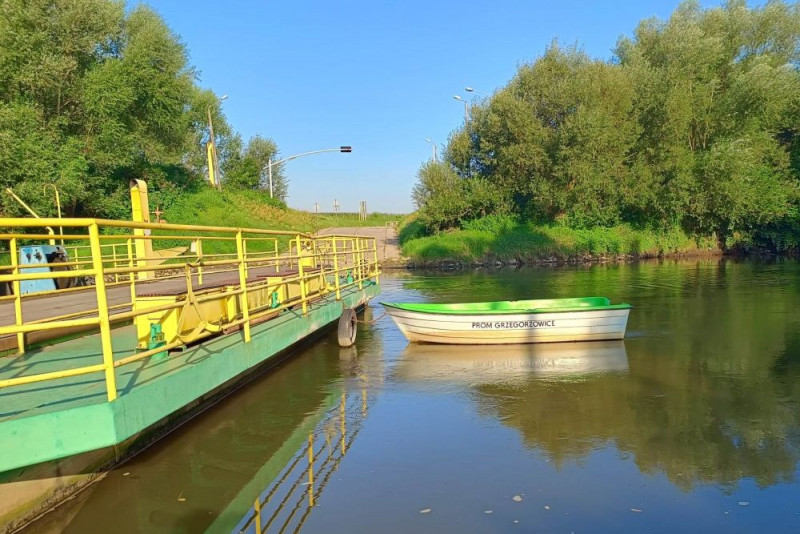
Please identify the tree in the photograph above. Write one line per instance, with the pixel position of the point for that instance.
(248, 167)
(693, 122)
(92, 96)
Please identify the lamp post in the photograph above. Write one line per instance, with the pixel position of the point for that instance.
(58, 205)
(434, 149)
(270, 163)
(466, 110)
(213, 162)
(471, 90)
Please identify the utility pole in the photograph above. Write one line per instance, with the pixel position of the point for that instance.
(269, 166)
(434, 149)
(466, 108)
(213, 162)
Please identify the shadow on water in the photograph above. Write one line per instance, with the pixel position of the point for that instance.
(207, 473)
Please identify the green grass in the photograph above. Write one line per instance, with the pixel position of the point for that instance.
(238, 209)
(327, 220)
(531, 242)
(254, 209)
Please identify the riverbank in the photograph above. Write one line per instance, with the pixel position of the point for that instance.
(247, 208)
(528, 244)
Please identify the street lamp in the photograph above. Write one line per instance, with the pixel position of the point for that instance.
(345, 149)
(58, 205)
(434, 149)
(211, 148)
(466, 111)
(471, 90)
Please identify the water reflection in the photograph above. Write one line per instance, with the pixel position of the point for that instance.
(706, 389)
(509, 364)
(696, 411)
(286, 502)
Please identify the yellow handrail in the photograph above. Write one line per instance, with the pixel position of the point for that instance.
(109, 264)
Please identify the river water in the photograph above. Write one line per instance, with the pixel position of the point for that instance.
(692, 424)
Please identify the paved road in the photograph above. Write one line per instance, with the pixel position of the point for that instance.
(388, 243)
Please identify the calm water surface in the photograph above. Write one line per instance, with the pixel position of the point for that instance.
(689, 425)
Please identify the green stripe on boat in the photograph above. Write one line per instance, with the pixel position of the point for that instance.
(512, 306)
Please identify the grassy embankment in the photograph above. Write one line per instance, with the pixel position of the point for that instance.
(237, 208)
(254, 209)
(497, 238)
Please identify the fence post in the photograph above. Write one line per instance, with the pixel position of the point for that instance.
(198, 245)
(131, 274)
(310, 469)
(301, 275)
(243, 286)
(336, 269)
(102, 311)
(17, 289)
(114, 259)
(244, 252)
(375, 257)
(343, 428)
(257, 519)
(360, 263)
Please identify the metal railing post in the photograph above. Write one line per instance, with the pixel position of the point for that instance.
(131, 275)
(336, 270)
(243, 283)
(359, 266)
(277, 258)
(302, 277)
(114, 259)
(310, 469)
(343, 426)
(375, 258)
(198, 245)
(244, 252)
(102, 311)
(257, 518)
(17, 289)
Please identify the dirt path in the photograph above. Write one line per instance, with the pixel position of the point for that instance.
(386, 236)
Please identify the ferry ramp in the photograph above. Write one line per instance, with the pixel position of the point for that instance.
(94, 372)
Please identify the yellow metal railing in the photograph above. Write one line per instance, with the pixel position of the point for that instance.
(109, 261)
(122, 253)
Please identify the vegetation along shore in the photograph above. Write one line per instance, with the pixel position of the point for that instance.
(684, 142)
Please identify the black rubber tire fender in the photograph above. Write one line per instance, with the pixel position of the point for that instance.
(348, 326)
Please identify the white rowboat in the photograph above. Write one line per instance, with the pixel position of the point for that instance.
(505, 322)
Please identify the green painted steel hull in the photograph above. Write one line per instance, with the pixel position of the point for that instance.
(56, 434)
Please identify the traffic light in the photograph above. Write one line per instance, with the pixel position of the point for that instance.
(345, 149)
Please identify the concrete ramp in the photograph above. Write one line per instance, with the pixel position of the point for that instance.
(386, 238)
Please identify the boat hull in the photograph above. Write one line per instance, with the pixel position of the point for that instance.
(494, 329)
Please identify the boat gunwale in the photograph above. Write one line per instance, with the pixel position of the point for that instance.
(414, 307)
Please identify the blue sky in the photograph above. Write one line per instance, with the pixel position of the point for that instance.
(379, 76)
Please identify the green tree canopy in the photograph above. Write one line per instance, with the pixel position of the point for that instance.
(92, 95)
(248, 167)
(693, 122)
